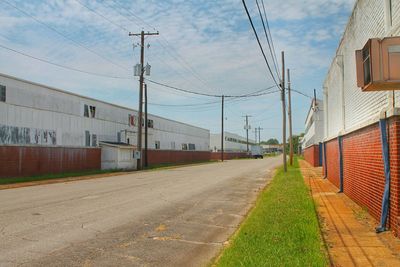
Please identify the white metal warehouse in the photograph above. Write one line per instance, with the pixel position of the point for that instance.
(35, 114)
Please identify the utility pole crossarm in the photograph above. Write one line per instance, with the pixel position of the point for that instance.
(145, 33)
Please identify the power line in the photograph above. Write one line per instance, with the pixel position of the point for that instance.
(63, 66)
(185, 105)
(270, 35)
(268, 41)
(63, 35)
(104, 17)
(259, 43)
(257, 93)
(167, 47)
(301, 93)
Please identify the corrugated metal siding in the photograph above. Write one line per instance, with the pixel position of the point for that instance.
(368, 22)
(334, 111)
(30, 105)
(396, 12)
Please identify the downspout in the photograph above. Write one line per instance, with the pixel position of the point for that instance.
(340, 142)
(325, 165)
(386, 162)
(340, 63)
(326, 129)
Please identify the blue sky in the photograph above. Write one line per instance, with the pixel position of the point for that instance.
(204, 46)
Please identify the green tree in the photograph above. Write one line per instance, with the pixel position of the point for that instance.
(271, 141)
(296, 142)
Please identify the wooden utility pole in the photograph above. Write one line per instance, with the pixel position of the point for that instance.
(141, 82)
(247, 127)
(259, 134)
(255, 135)
(146, 162)
(222, 129)
(290, 120)
(283, 112)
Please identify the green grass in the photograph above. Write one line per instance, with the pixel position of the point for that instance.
(14, 180)
(282, 229)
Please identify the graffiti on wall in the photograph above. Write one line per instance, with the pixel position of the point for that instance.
(26, 136)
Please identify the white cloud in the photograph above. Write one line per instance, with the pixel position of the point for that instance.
(214, 37)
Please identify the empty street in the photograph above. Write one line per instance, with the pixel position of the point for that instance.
(174, 217)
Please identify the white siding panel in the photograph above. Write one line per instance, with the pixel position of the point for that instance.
(367, 21)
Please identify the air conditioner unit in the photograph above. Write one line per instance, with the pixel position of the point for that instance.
(378, 65)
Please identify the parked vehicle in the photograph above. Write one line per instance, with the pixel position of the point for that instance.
(257, 152)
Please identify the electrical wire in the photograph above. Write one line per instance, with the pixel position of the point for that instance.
(270, 35)
(254, 94)
(63, 66)
(259, 43)
(268, 41)
(76, 43)
(184, 105)
(301, 93)
(102, 16)
(167, 47)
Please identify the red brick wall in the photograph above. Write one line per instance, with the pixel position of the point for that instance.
(332, 161)
(179, 156)
(311, 155)
(229, 155)
(394, 154)
(17, 161)
(363, 170)
(363, 174)
(176, 156)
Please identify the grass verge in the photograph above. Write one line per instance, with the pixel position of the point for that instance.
(15, 180)
(282, 229)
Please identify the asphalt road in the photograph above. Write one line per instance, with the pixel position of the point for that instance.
(175, 217)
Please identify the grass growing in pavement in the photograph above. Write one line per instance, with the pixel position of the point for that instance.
(14, 180)
(282, 229)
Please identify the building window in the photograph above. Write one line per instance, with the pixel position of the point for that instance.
(157, 143)
(2, 93)
(92, 111)
(87, 138)
(184, 147)
(89, 111)
(131, 119)
(94, 140)
(150, 123)
(192, 147)
(86, 111)
(173, 145)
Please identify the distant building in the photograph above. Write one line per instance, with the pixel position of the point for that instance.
(268, 149)
(232, 142)
(311, 143)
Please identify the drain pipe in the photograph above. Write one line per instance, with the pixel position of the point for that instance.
(386, 162)
(325, 165)
(340, 142)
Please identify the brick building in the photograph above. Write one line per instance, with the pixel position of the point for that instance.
(314, 133)
(354, 150)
